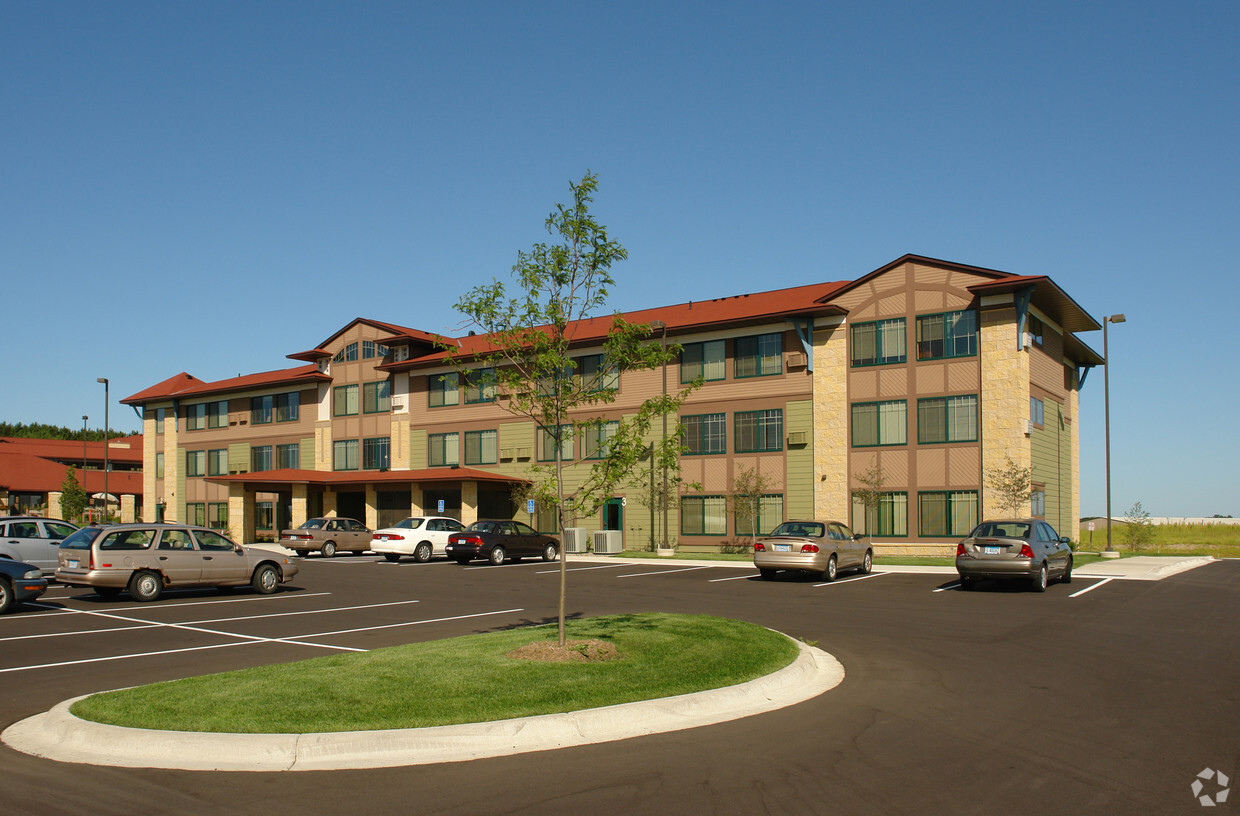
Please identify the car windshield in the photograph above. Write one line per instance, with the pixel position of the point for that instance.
(1001, 529)
(410, 523)
(313, 524)
(811, 529)
(81, 539)
(484, 527)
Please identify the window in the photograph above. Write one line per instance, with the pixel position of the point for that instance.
(376, 453)
(596, 437)
(159, 419)
(443, 449)
(759, 430)
(947, 419)
(196, 416)
(217, 515)
(1034, 329)
(770, 513)
(480, 386)
(703, 515)
(264, 515)
(339, 358)
(344, 454)
(217, 462)
(481, 447)
(889, 517)
(288, 457)
(760, 356)
(879, 423)
(951, 334)
(368, 349)
(706, 433)
(260, 410)
(195, 463)
(444, 389)
(879, 343)
(947, 513)
(196, 514)
(377, 397)
(546, 444)
(706, 360)
(159, 466)
(597, 375)
(1037, 410)
(350, 353)
(1037, 502)
(217, 414)
(288, 406)
(344, 400)
(260, 458)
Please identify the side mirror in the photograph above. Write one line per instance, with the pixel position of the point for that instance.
(238, 549)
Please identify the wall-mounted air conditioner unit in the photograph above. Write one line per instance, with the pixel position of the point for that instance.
(797, 359)
(576, 539)
(608, 542)
(798, 438)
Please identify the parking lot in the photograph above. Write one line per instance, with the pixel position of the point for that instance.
(1102, 696)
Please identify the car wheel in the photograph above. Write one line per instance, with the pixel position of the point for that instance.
(496, 556)
(1040, 580)
(867, 563)
(145, 586)
(1067, 573)
(303, 553)
(462, 561)
(832, 569)
(329, 549)
(549, 552)
(107, 593)
(266, 579)
(767, 573)
(422, 553)
(6, 596)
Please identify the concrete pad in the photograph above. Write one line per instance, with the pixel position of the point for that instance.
(59, 735)
(1142, 567)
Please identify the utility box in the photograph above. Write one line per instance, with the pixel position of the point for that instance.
(608, 542)
(576, 539)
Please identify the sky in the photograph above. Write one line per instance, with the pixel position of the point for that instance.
(208, 187)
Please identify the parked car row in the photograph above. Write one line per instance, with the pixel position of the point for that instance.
(422, 538)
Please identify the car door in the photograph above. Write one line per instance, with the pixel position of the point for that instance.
(438, 530)
(855, 548)
(25, 541)
(177, 559)
(221, 563)
(528, 538)
(1056, 552)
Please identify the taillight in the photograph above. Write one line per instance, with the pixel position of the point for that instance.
(389, 537)
(809, 548)
(465, 539)
(1026, 551)
(759, 547)
(960, 550)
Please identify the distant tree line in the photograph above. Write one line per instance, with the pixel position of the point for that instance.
(39, 430)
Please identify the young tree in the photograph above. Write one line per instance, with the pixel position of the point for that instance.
(870, 494)
(1013, 485)
(1138, 532)
(661, 496)
(748, 488)
(72, 496)
(525, 358)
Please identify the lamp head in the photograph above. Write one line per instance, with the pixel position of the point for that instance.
(1118, 318)
(103, 380)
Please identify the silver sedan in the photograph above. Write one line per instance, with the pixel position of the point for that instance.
(1023, 549)
(821, 547)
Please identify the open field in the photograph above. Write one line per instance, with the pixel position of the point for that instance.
(1218, 540)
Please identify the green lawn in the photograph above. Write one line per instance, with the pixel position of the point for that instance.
(466, 679)
(1218, 540)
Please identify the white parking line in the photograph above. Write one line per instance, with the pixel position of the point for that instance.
(1091, 588)
(945, 588)
(850, 580)
(660, 572)
(153, 607)
(583, 569)
(410, 623)
(733, 578)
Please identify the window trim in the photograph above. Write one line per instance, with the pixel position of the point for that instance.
(949, 515)
(947, 419)
(852, 424)
(688, 500)
(736, 431)
(481, 437)
(947, 340)
(702, 362)
(758, 357)
(701, 437)
(337, 389)
(880, 359)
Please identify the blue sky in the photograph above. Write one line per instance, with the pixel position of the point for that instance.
(211, 186)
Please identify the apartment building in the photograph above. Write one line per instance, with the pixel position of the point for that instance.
(914, 380)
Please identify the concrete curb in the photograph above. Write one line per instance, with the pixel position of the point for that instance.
(60, 736)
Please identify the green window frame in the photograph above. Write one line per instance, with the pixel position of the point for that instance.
(888, 518)
(160, 413)
(217, 515)
(217, 414)
(1037, 502)
(261, 458)
(947, 513)
(377, 397)
(288, 406)
(703, 515)
(761, 355)
(1037, 411)
(878, 342)
(368, 349)
(480, 386)
(443, 449)
(344, 454)
(196, 416)
(546, 443)
(879, 424)
(947, 335)
(443, 389)
(288, 456)
(196, 463)
(482, 447)
(159, 466)
(770, 513)
(597, 437)
(758, 431)
(217, 462)
(344, 400)
(350, 353)
(261, 409)
(707, 361)
(597, 374)
(377, 453)
(264, 515)
(947, 419)
(196, 514)
(705, 433)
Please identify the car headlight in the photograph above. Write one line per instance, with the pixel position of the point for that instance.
(33, 575)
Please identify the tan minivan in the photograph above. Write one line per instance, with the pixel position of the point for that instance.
(147, 558)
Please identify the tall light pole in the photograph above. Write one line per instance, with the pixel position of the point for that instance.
(659, 325)
(1106, 410)
(84, 418)
(104, 380)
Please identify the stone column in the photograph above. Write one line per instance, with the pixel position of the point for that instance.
(469, 502)
(1005, 401)
(831, 477)
(415, 500)
(329, 502)
(128, 508)
(372, 507)
(53, 506)
(299, 514)
(240, 513)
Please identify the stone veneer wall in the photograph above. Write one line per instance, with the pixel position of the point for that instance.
(1005, 401)
(831, 498)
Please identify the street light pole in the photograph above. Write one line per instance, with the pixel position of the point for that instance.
(663, 497)
(84, 418)
(1106, 410)
(104, 380)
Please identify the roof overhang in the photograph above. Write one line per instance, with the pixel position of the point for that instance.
(274, 480)
(1047, 296)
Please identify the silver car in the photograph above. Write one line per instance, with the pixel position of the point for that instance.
(1022, 549)
(327, 536)
(33, 540)
(147, 558)
(419, 536)
(821, 547)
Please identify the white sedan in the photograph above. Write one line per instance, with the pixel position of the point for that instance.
(419, 536)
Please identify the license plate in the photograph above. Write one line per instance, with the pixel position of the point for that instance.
(381, 538)
(71, 564)
(990, 550)
(783, 548)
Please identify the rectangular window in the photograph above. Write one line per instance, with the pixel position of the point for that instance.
(350, 353)
(703, 515)
(889, 517)
(596, 438)
(759, 430)
(706, 360)
(1037, 410)
(1034, 330)
(596, 375)
(480, 386)
(344, 454)
(1037, 502)
(217, 462)
(951, 334)
(288, 457)
(159, 466)
(368, 349)
(264, 515)
(196, 416)
(344, 400)
(377, 397)
(260, 458)
(159, 419)
(288, 406)
(444, 389)
(947, 419)
(481, 447)
(879, 423)
(706, 433)
(377, 453)
(217, 414)
(217, 515)
(759, 356)
(762, 518)
(260, 410)
(196, 513)
(443, 449)
(880, 342)
(196, 463)
(947, 513)
(546, 444)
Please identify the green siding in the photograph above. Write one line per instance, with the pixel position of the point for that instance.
(306, 454)
(417, 449)
(239, 457)
(799, 461)
(1052, 464)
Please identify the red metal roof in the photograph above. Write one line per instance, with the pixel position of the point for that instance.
(126, 449)
(24, 472)
(193, 387)
(290, 476)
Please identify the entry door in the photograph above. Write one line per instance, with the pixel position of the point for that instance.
(613, 514)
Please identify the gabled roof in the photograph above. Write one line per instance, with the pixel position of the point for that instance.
(396, 332)
(120, 449)
(24, 472)
(919, 259)
(1047, 296)
(162, 390)
(193, 387)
